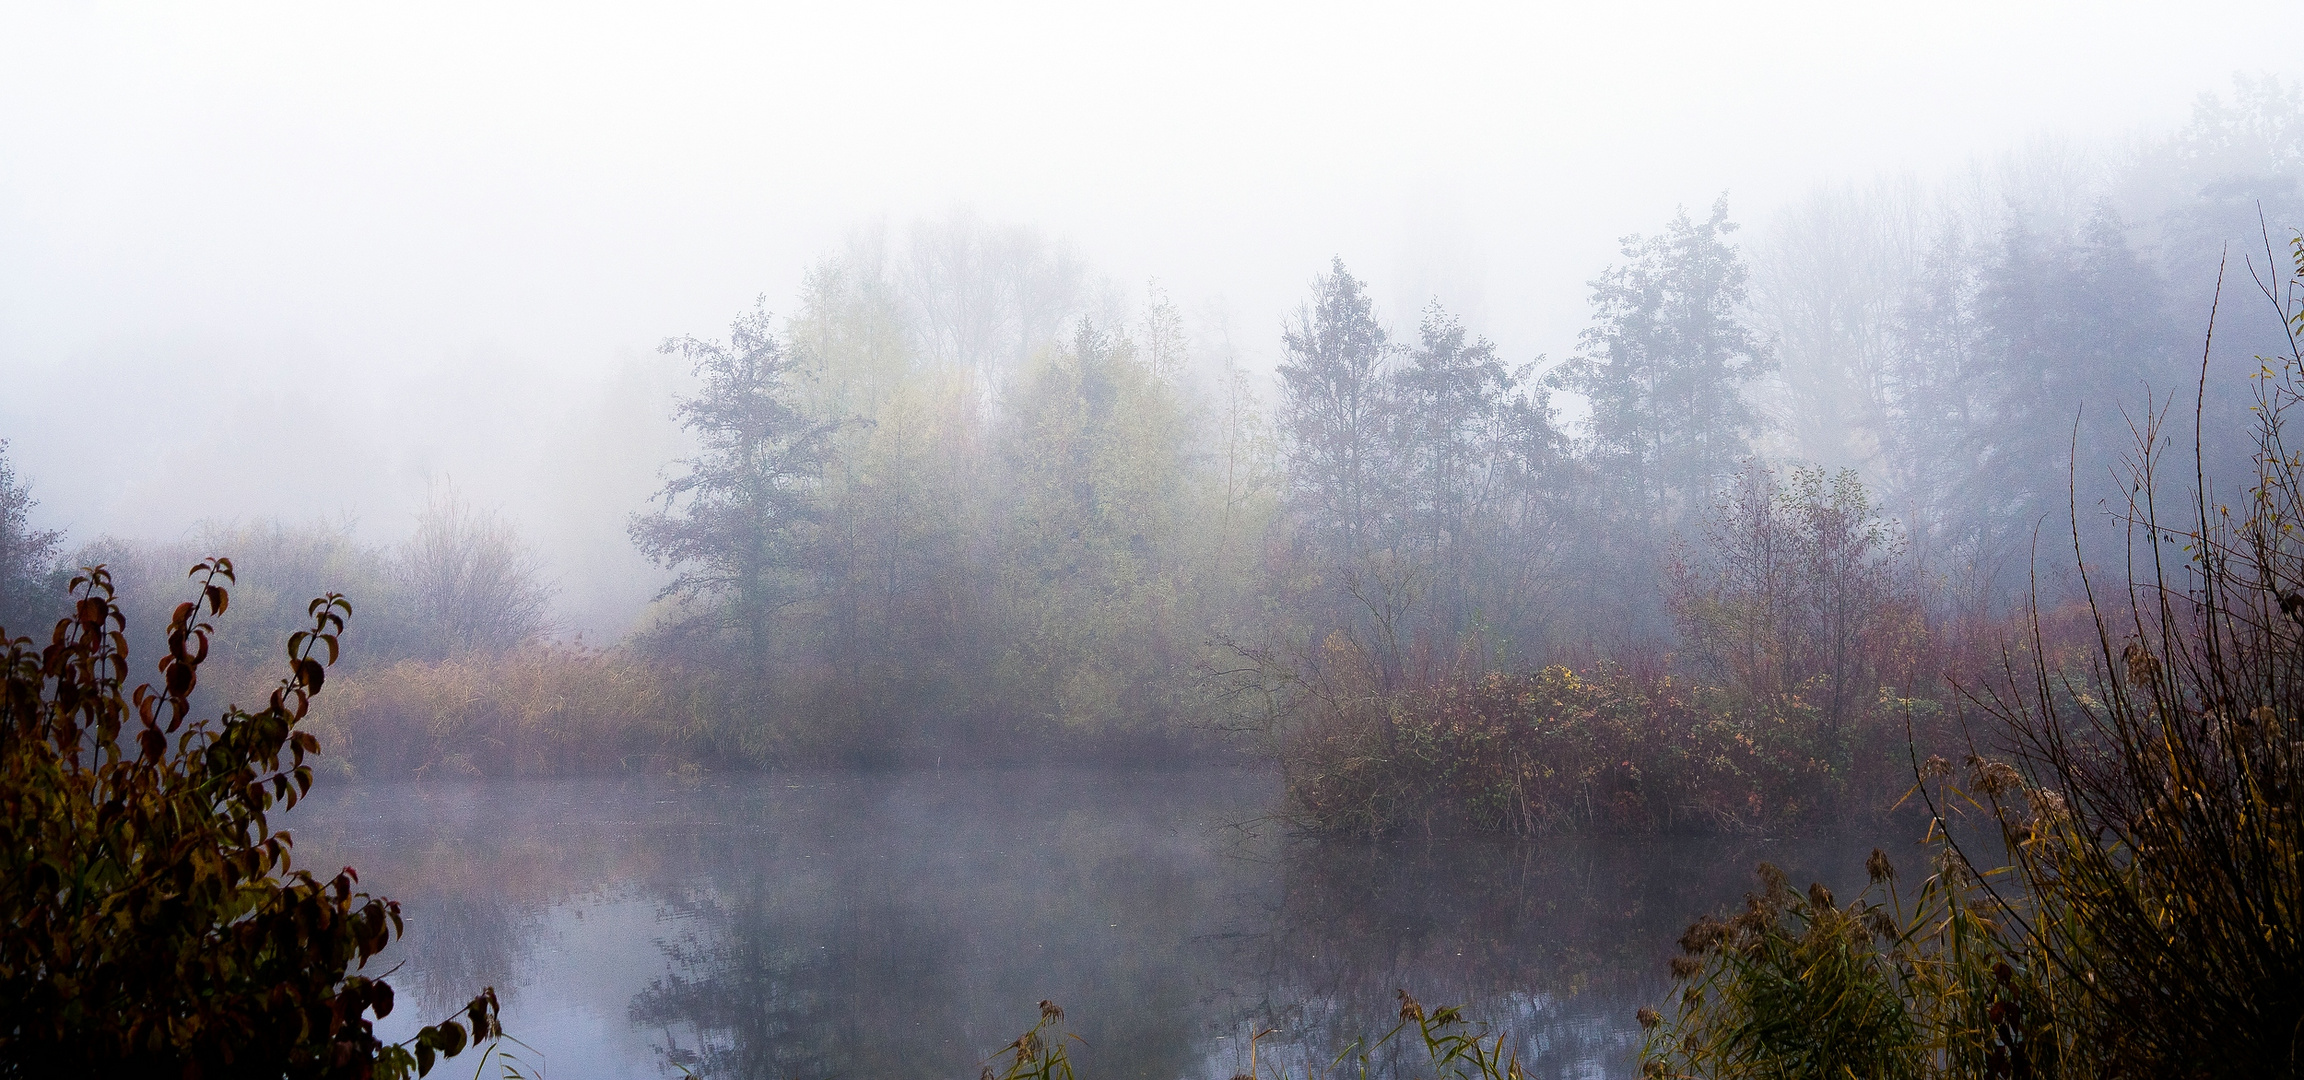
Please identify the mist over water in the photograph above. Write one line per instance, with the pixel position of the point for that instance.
(902, 925)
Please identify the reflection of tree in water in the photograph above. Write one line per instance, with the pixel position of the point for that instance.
(1556, 945)
(467, 940)
(763, 984)
(897, 926)
(895, 933)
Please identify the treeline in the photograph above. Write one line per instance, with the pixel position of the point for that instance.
(964, 499)
(961, 497)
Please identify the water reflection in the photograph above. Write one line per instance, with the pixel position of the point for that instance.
(1555, 944)
(904, 925)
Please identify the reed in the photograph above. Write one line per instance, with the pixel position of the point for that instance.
(538, 710)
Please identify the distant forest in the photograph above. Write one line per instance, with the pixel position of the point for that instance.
(961, 499)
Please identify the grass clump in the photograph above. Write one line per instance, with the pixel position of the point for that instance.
(1890, 985)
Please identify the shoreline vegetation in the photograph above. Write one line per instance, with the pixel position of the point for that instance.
(2145, 919)
(903, 537)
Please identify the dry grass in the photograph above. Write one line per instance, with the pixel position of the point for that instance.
(539, 710)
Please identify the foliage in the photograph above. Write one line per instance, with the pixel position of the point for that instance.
(1040, 1053)
(155, 922)
(1092, 583)
(464, 577)
(1958, 341)
(1487, 476)
(2157, 825)
(971, 567)
(1795, 620)
(1454, 1048)
(1334, 408)
(1799, 588)
(731, 522)
(422, 598)
(1887, 986)
(1427, 485)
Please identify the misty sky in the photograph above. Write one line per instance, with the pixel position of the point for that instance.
(452, 234)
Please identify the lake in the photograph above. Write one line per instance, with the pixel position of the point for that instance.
(823, 924)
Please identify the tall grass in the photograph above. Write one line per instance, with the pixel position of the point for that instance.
(537, 710)
(2157, 819)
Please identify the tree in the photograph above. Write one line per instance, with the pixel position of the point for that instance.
(1936, 397)
(470, 585)
(986, 297)
(895, 620)
(1447, 398)
(1479, 462)
(155, 925)
(27, 555)
(732, 523)
(1797, 590)
(1090, 575)
(1334, 409)
(2017, 379)
(1665, 364)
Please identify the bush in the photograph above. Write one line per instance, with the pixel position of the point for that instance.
(154, 923)
(1611, 750)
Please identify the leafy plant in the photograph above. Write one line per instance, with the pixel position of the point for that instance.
(154, 922)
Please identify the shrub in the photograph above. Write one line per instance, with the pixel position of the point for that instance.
(1612, 750)
(154, 923)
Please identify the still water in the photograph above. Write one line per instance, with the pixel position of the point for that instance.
(905, 925)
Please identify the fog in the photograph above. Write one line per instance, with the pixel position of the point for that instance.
(863, 518)
(301, 263)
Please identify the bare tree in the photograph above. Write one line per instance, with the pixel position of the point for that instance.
(469, 583)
